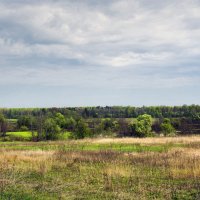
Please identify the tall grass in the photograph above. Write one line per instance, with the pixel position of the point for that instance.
(82, 172)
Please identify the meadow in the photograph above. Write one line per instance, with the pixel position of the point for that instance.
(109, 168)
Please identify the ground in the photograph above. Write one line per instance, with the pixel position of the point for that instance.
(126, 168)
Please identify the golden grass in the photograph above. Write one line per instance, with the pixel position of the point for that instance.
(154, 140)
(121, 175)
(181, 162)
(126, 140)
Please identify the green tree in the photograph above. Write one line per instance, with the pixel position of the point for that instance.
(143, 125)
(107, 124)
(123, 127)
(60, 120)
(167, 127)
(81, 130)
(39, 126)
(70, 124)
(24, 121)
(3, 125)
(51, 129)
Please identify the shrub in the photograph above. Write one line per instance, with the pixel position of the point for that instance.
(23, 128)
(167, 127)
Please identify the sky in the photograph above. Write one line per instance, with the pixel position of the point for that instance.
(89, 52)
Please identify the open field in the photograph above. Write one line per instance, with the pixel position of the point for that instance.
(129, 168)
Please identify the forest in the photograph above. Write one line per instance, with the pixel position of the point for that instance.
(115, 121)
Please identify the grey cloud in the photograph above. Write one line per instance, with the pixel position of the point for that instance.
(107, 37)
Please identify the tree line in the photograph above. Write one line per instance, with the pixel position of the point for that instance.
(51, 127)
(80, 122)
(188, 111)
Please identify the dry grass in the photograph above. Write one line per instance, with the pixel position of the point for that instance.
(64, 174)
(191, 141)
(154, 140)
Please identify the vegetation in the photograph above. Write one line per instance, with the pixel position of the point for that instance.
(143, 125)
(147, 168)
(166, 127)
(116, 121)
(3, 125)
(81, 130)
(42, 156)
(191, 111)
(18, 136)
(51, 125)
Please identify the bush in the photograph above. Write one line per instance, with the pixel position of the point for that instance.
(167, 127)
(23, 128)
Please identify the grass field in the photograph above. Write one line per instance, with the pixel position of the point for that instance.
(23, 135)
(27, 136)
(150, 168)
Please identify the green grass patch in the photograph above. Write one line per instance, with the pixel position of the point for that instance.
(70, 146)
(27, 136)
(21, 136)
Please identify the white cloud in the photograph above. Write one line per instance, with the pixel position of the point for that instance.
(140, 36)
(133, 59)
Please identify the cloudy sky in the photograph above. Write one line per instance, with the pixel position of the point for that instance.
(99, 52)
